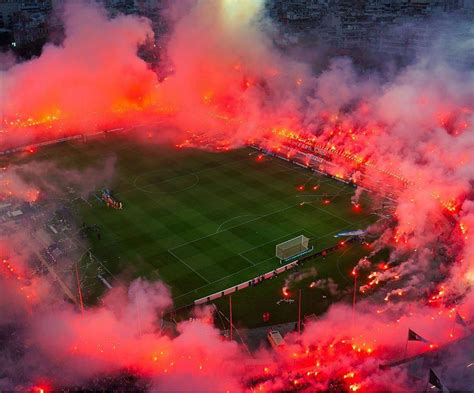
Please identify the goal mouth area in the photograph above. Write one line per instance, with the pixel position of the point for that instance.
(293, 248)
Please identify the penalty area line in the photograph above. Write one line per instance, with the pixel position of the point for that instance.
(189, 267)
(259, 263)
(236, 226)
(247, 259)
(223, 278)
(241, 254)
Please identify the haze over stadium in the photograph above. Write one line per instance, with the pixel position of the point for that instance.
(406, 136)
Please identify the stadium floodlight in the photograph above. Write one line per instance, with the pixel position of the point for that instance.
(293, 248)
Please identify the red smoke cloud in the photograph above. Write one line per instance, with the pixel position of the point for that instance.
(408, 137)
(93, 79)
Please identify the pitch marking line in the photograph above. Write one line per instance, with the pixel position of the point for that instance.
(195, 183)
(213, 234)
(234, 218)
(222, 278)
(178, 176)
(185, 264)
(266, 215)
(276, 239)
(235, 226)
(269, 242)
(329, 213)
(259, 263)
(237, 161)
(247, 259)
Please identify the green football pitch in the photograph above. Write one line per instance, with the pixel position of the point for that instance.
(198, 220)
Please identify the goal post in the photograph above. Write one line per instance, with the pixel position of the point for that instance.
(293, 248)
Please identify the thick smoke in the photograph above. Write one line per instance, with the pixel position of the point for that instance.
(230, 86)
(228, 80)
(93, 79)
(29, 181)
(48, 342)
(96, 79)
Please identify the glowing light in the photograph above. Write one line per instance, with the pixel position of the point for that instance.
(469, 276)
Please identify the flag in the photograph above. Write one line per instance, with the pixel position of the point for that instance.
(412, 336)
(460, 320)
(434, 380)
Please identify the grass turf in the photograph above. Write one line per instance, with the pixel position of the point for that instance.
(322, 281)
(202, 221)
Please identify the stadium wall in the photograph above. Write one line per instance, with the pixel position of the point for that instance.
(245, 284)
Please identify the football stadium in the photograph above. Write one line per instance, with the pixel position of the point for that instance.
(210, 222)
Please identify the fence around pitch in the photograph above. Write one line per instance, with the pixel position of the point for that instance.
(271, 273)
(245, 284)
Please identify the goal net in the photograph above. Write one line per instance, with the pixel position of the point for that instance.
(292, 248)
